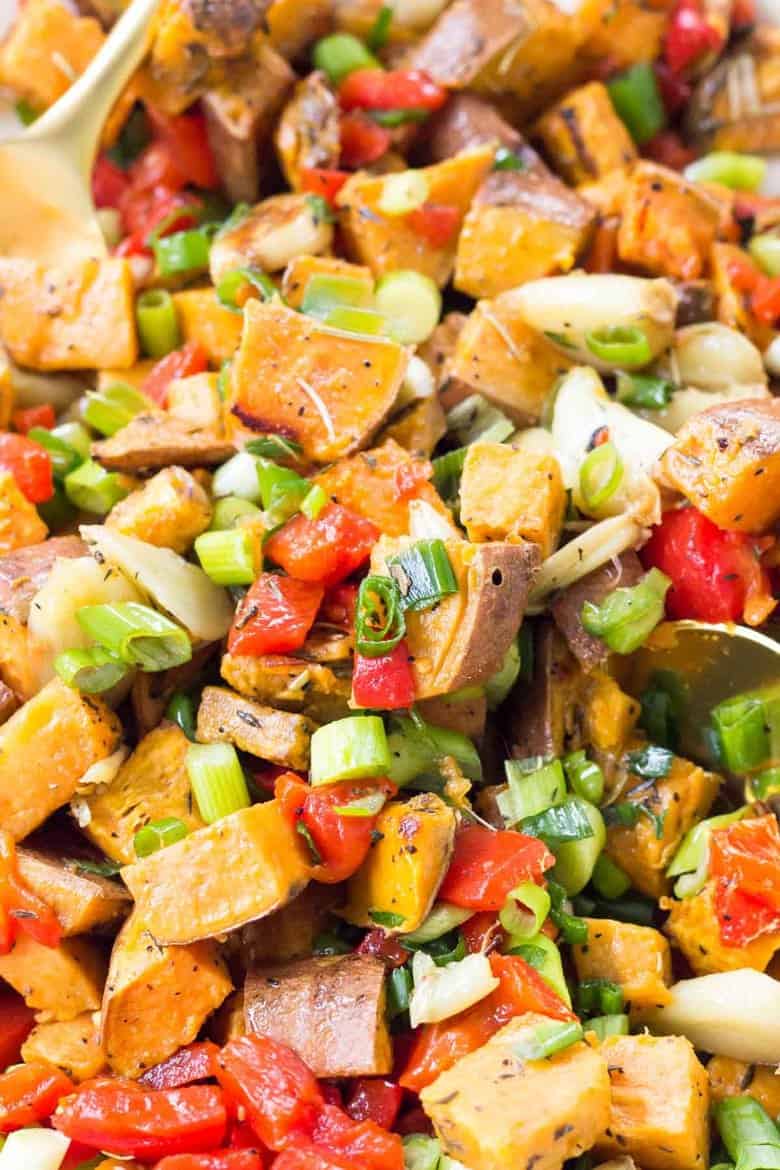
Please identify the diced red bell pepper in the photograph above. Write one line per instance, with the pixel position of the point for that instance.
(185, 137)
(363, 1142)
(744, 861)
(189, 359)
(78, 1155)
(194, 1062)
(325, 550)
(375, 1099)
(689, 36)
(29, 464)
(277, 1091)
(111, 1113)
(306, 1156)
(275, 616)
(385, 947)
(399, 89)
(342, 842)
(109, 183)
(716, 575)
(29, 1093)
(438, 1046)
(362, 141)
(765, 300)
(324, 182)
(385, 682)
(482, 933)
(16, 1023)
(436, 223)
(20, 908)
(34, 416)
(487, 864)
(338, 605)
(221, 1160)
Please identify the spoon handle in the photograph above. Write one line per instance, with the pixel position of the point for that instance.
(75, 122)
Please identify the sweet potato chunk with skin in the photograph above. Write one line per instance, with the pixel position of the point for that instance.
(609, 714)
(170, 510)
(397, 884)
(48, 47)
(151, 784)
(68, 319)
(72, 1045)
(496, 1110)
(386, 242)
(308, 131)
(50, 742)
(668, 224)
(718, 121)
(58, 982)
(726, 461)
(734, 1078)
(188, 891)
(157, 998)
(156, 439)
(693, 927)
(293, 684)
(521, 226)
(733, 304)
(466, 121)
(329, 391)
(24, 571)
(660, 1103)
(278, 736)
(621, 572)
(294, 24)
(203, 320)
(583, 136)
(331, 1011)
(20, 524)
(680, 799)
(81, 901)
(447, 643)
(512, 495)
(498, 355)
(288, 933)
(368, 483)
(628, 31)
(637, 958)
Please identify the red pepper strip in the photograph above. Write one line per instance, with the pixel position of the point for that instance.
(179, 363)
(409, 477)
(438, 1046)
(277, 1091)
(250, 1159)
(194, 1062)
(16, 1023)
(29, 1093)
(362, 141)
(111, 1113)
(338, 605)
(22, 909)
(275, 616)
(668, 149)
(400, 89)
(325, 550)
(375, 1099)
(487, 864)
(436, 223)
(363, 1142)
(34, 416)
(385, 682)
(305, 1156)
(30, 466)
(324, 182)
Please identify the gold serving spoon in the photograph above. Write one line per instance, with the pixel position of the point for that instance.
(46, 209)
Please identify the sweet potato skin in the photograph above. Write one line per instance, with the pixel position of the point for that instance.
(154, 440)
(637, 958)
(693, 927)
(624, 571)
(23, 572)
(512, 495)
(81, 901)
(307, 134)
(72, 1045)
(281, 737)
(331, 1011)
(269, 678)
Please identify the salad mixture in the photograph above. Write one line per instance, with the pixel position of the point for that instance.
(425, 382)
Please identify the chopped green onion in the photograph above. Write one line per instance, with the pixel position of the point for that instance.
(341, 54)
(608, 879)
(90, 671)
(765, 250)
(190, 210)
(424, 574)
(614, 1024)
(325, 292)
(366, 806)
(748, 1133)
(282, 490)
(585, 777)
(229, 557)
(93, 489)
(447, 472)
(477, 419)
(690, 863)
(599, 997)
(402, 192)
(393, 118)
(320, 209)
(441, 920)
(303, 830)
(185, 252)
(240, 214)
(64, 457)
(229, 510)
(740, 172)
(349, 749)
(410, 302)
(314, 501)
(620, 345)
(26, 113)
(542, 954)
(567, 821)
(238, 477)
(417, 747)
(217, 780)
(572, 928)
(506, 160)
(548, 1039)
(763, 784)
(500, 684)
(114, 407)
(575, 860)
(650, 762)
(379, 618)
(645, 391)
(626, 618)
(74, 435)
(137, 634)
(159, 834)
(531, 790)
(181, 711)
(640, 911)
(386, 918)
(158, 324)
(399, 988)
(232, 282)
(662, 705)
(748, 730)
(447, 948)
(274, 447)
(601, 474)
(350, 320)
(638, 103)
(524, 911)
(380, 29)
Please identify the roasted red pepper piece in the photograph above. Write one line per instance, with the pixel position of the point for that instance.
(275, 616)
(29, 1093)
(179, 363)
(384, 682)
(487, 864)
(274, 1087)
(325, 550)
(30, 466)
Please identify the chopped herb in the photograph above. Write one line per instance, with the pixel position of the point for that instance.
(507, 160)
(560, 339)
(380, 30)
(386, 918)
(392, 118)
(627, 814)
(651, 762)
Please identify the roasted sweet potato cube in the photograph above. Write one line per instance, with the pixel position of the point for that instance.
(157, 998)
(294, 24)
(733, 306)
(329, 391)
(47, 47)
(156, 439)
(466, 121)
(301, 269)
(293, 684)
(270, 235)
(419, 427)
(521, 226)
(308, 131)
(188, 891)
(693, 927)
(637, 958)
(750, 122)
(278, 736)
(609, 715)
(202, 319)
(496, 1109)
(170, 510)
(68, 319)
(331, 1011)
(288, 933)
(386, 242)
(512, 495)
(583, 137)
(81, 901)
(396, 885)
(668, 224)
(72, 1045)
(627, 32)
(734, 1078)
(58, 982)
(195, 400)
(20, 524)
(726, 461)
(439, 348)
(660, 1103)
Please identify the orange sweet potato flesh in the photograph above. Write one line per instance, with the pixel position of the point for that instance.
(693, 927)
(329, 391)
(637, 958)
(734, 1078)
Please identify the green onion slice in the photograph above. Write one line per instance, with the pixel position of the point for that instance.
(613, 1024)
(567, 821)
(740, 172)
(137, 634)
(229, 556)
(340, 54)
(379, 617)
(93, 489)
(185, 252)
(181, 711)
(217, 780)
(380, 29)
(111, 409)
(620, 345)
(749, 1134)
(349, 749)
(159, 834)
(447, 472)
(584, 776)
(644, 391)
(366, 806)
(158, 323)
(238, 278)
(64, 457)
(548, 1039)
(533, 786)
(626, 618)
(609, 879)
(765, 250)
(424, 574)
(601, 475)
(506, 160)
(525, 910)
(90, 671)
